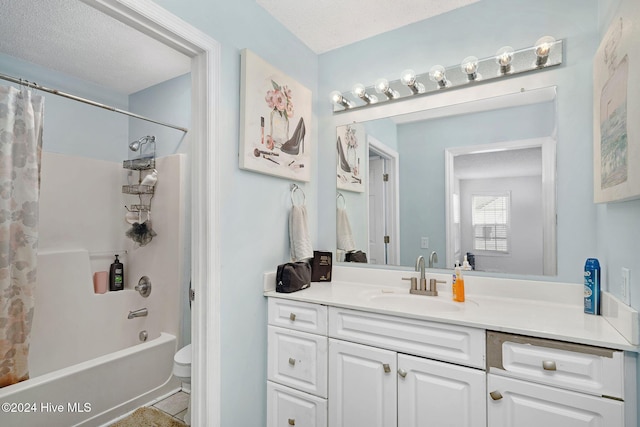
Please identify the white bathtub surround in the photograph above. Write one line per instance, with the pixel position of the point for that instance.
(84, 349)
(535, 308)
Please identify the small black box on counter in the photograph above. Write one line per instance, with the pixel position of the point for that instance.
(321, 266)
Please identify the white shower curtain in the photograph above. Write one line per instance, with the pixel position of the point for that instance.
(21, 115)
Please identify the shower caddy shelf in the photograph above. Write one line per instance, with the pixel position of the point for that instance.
(141, 165)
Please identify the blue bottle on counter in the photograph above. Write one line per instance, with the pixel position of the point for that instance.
(592, 286)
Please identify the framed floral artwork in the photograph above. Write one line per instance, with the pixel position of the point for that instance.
(616, 103)
(351, 164)
(275, 114)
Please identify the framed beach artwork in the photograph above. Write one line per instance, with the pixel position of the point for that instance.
(275, 114)
(351, 164)
(616, 103)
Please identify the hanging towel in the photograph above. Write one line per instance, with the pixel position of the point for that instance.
(344, 237)
(299, 238)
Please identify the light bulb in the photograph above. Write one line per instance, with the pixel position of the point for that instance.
(338, 99)
(408, 77)
(382, 86)
(469, 66)
(358, 90)
(542, 47)
(504, 56)
(437, 74)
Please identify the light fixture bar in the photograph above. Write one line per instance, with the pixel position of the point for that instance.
(546, 53)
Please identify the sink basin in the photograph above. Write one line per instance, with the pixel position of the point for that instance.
(406, 301)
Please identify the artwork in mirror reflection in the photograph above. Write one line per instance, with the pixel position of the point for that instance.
(467, 184)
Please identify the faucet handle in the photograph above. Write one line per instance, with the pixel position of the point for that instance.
(414, 282)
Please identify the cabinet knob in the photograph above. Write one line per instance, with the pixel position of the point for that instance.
(292, 317)
(386, 368)
(495, 395)
(548, 365)
(292, 422)
(292, 361)
(402, 373)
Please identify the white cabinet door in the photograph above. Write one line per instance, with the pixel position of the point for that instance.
(518, 403)
(437, 394)
(362, 389)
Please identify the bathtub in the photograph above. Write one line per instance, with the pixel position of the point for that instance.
(94, 392)
(87, 363)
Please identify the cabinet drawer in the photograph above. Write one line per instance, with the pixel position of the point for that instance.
(516, 403)
(301, 316)
(449, 343)
(289, 407)
(298, 359)
(577, 367)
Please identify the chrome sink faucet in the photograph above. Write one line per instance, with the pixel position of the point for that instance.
(433, 258)
(430, 290)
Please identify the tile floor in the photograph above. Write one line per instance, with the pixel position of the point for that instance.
(174, 405)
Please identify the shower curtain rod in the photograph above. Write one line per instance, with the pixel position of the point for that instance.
(33, 85)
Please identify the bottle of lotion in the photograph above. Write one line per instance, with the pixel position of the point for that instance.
(458, 286)
(116, 276)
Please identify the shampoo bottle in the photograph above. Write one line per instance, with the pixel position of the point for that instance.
(116, 276)
(458, 286)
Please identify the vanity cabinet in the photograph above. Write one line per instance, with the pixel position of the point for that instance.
(373, 382)
(533, 382)
(297, 364)
(339, 367)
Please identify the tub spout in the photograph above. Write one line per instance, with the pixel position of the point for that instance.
(138, 313)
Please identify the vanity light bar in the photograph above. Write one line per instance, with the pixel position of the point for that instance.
(546, 53)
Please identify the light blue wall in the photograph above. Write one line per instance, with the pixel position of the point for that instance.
(253, 228)
(421, 148)
(168, 102)
(71, 127)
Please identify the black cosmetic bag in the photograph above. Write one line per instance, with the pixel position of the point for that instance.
(293, 276)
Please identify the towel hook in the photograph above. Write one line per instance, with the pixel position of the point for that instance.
(344, 201)
(294, 188)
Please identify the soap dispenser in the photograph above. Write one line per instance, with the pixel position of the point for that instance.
(116, 276)
(458, 286)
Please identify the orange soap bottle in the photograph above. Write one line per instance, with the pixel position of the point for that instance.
(458, 286)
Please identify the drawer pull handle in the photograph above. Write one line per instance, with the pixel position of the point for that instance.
(386, 368)
(402, 373)
(292, 317)
(292, 422)
(292, 361)
(549, 365)
(495, 395)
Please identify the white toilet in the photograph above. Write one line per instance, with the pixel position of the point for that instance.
(182, 371)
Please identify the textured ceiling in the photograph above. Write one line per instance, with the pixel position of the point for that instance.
(324, 25)
(73, 38)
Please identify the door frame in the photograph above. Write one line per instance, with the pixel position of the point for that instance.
(158, 23)
(393, 190)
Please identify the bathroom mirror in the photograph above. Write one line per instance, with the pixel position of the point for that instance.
(421, 172)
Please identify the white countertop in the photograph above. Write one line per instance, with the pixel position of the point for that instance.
(520, 307)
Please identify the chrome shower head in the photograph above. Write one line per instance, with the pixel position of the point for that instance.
(135, 145)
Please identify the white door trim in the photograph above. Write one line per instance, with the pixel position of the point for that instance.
(393, 205)
(156, 22)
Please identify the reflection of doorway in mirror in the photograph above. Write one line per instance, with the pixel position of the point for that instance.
(382, 199)
(525, 170)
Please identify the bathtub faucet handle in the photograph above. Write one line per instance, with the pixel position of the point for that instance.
(138, 313)
(144, 286)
